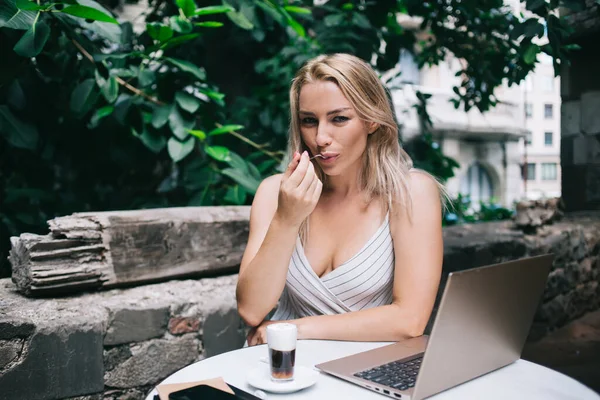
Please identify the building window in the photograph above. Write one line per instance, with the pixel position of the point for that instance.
(528, 138)
(477, 183)
(548, 138)
(548, 111)
(528, 110)
(530, 171)
(549, 171)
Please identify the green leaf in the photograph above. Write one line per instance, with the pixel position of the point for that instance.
(114, 56)
(254, 172)
(154, 142)
(198, 133)
(14, 18)
(179, 125)
(33, 41)
(266, 165)
(16, 96)
(186, 101)
(244, 179)
(361, 20)
(209, 24)
(180, 24)
(109, 87)
(213, 10)
(237, 162)
(219, 153)
(86, 12)
(297, 10)
(216, 96)
(530, 53)
(347, 6)
(110, 90)
(179, 150)
(146, 77)
(240, 20)
(225, 129)
(188, 67)
(295, 25)
(160, 116)
(112, 32)
(28, 5)
(176, 41)
(159, 31)
(83, 97)
(99, 115)
(187, 6)
(17, 133)
(235, 195)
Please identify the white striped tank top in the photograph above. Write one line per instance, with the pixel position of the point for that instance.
(364, 281)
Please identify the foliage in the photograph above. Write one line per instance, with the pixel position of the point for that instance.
(192, 109)
(461, 211)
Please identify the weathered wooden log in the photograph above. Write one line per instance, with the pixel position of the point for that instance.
(122, 248)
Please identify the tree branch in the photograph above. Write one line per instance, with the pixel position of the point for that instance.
(121, 82)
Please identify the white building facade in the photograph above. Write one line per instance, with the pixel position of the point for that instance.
(506, 154)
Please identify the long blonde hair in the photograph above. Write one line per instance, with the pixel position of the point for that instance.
(385, 170)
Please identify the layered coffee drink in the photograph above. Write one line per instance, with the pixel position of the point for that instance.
(281, 340)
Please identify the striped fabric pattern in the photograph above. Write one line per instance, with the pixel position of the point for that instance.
(364, 281)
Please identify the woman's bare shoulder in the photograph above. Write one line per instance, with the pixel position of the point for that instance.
(267, 193)
(425, 194)
(422, 185)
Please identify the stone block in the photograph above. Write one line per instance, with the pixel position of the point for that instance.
(152, 361)
(557, 284)
(181, 325)
(590, 116)
(10, 350)
(136, 325)
(580, 150)
(570, 119)
(566, 151)
(592, 187)
(116, 356)
(573, 192)
(15, 328)
(57, 365)
(594, 149)
(223, 331)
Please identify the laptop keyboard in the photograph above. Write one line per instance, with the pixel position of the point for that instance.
(400, 375)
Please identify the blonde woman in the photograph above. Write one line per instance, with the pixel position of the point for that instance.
(348, 240)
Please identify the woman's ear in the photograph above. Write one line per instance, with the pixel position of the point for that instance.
(373, 126)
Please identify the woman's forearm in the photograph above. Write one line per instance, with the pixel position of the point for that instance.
(262, 281)
(389, 323)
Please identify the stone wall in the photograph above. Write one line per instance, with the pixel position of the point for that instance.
(115, 344)
(580, 119)
(118, 344)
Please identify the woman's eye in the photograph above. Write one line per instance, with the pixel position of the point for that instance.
(309, 121)
(340, 118)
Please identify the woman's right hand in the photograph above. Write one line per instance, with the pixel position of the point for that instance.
(299, 191)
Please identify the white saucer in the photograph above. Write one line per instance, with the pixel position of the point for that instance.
(260, 377)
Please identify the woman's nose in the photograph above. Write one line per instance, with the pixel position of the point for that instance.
(323, 137)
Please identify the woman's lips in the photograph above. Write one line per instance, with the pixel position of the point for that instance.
(327, 158)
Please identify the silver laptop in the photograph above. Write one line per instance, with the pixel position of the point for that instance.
(482, 323)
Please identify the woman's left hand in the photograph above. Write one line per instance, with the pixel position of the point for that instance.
(258, 335)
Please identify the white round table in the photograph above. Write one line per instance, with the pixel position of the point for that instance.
(520, 380)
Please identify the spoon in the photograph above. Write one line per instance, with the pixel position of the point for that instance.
(318, 155)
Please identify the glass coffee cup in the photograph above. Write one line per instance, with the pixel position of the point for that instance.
(281, 341)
